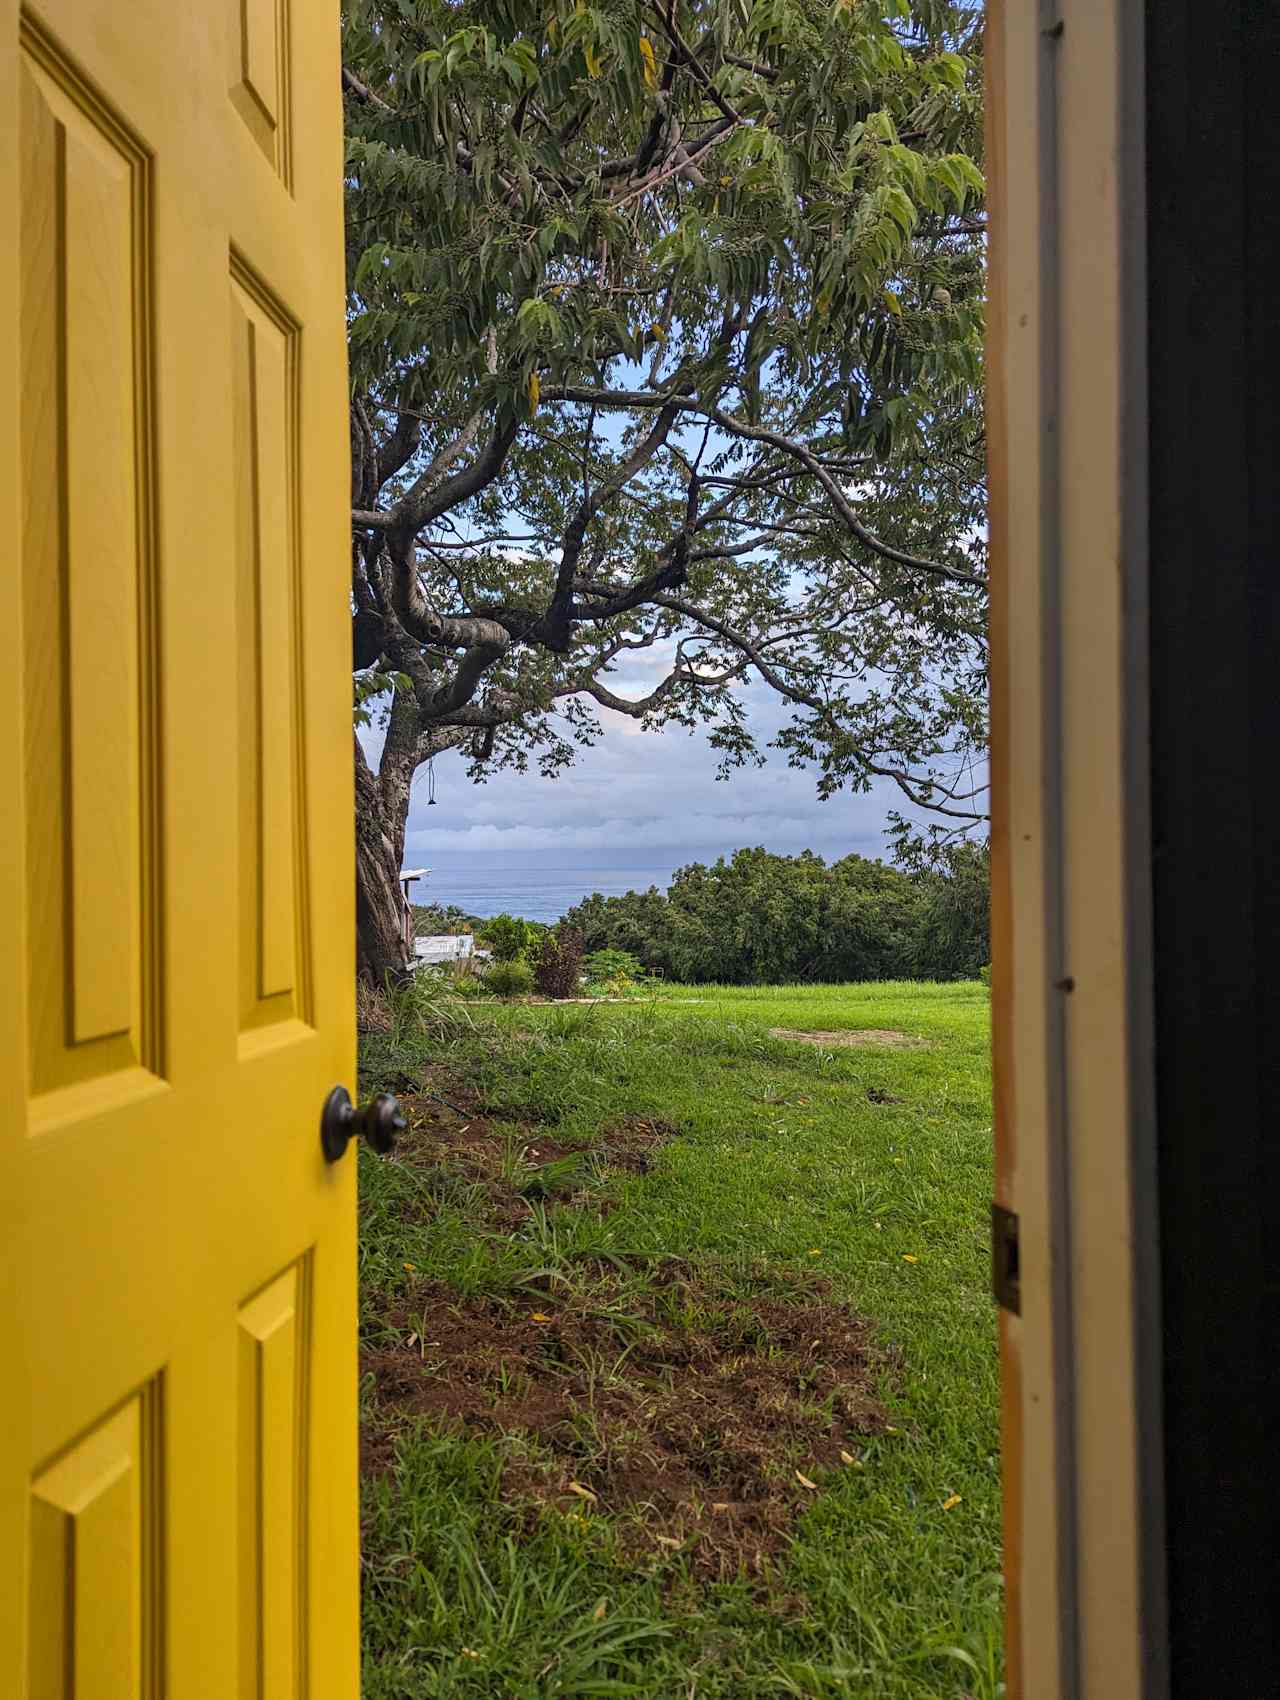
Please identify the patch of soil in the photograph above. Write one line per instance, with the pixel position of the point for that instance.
(452, 1130)
(628, 1144)
(446, 1094)
(889, 1037)
(709, 1438)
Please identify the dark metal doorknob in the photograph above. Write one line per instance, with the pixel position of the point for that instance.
(377, 1123)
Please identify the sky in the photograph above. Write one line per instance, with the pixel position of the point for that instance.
(639, 798)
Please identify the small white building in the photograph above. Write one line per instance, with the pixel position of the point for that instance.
(439, 948)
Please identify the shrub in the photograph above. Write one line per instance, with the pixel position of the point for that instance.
(613, 967)
(763, 919)
(558, 968)
(509, 979)
(421, 1008)
(507, 936)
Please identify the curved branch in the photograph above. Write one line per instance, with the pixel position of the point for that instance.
(914, 789)
(787, 445)
(397, 450)
(554, 627)
(430, 496)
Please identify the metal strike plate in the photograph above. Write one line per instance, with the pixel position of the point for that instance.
(1004, 1259)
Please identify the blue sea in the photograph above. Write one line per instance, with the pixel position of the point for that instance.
(536, 890)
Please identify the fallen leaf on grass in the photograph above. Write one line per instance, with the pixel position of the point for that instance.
(667, 1540)
(805, 1482)
(583, 1493)
(411, 1266)
(816, 1252)
(597, 1615)
(955, 1499)
(538, 1316)
(908, 1258)
(720, 1505)
(847, 1458)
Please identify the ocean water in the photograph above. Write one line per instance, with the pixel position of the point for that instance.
(536, 891)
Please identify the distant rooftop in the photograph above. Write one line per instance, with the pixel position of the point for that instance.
(446, 947)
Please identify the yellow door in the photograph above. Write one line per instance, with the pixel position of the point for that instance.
(177, 1377)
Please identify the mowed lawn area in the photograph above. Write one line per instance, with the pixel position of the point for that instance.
(679, 1367)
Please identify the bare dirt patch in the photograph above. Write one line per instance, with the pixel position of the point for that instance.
(454, 1129)
(699, 1421)
(707, 1437)
(629, 1145)
(888, 1037)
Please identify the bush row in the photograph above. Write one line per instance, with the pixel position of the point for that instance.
(760, 918)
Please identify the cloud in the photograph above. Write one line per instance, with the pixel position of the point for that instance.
(641, 791)
(638, 790)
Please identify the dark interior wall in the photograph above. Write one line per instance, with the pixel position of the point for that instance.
(1213, 179)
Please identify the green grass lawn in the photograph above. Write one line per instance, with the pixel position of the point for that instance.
(504, 1554)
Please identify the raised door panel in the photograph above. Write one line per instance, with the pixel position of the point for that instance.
(87, 561)
(272, 1473)
(273, 929)
(260, 76)
(95, 1596)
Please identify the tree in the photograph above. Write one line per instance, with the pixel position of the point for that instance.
(665, 334)
(634, 924)
(760, 918)
(955, 931)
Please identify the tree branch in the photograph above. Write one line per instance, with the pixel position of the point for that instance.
(554, 628)
(761, 434)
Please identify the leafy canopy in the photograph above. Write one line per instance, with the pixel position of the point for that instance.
(760, 918)
(665, 330)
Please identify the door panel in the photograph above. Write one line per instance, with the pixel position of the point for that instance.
(260, 75)
(87, 561)
(272, 1466)
(95, 1609)
(177, 1305)
(273, 934)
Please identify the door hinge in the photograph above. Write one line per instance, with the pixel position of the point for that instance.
(1004, 1259)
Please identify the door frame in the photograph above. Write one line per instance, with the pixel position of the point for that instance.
(1071, 861)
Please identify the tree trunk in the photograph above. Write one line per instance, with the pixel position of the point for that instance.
(380, 943)
(382, 816)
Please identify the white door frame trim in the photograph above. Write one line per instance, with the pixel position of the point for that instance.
(1072, 848)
